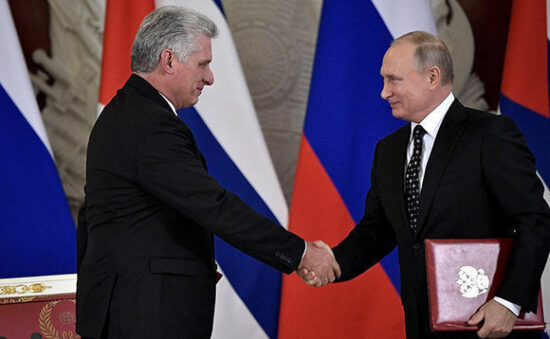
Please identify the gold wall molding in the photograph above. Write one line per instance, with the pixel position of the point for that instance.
(23, 289)
(16, 300)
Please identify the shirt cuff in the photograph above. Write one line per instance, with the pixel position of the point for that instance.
(305, 249)
(511, 306)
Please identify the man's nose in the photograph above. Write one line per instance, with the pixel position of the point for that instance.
(208, 77)
(385, 92)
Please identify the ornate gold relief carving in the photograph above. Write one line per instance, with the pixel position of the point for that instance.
(23, 289)
(16, 300)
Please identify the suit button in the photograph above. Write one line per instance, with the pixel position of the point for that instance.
(416, 246)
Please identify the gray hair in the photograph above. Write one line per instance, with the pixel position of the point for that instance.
(173, 27)
(430, 51)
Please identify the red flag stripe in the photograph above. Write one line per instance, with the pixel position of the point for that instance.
(122, 20)
(527, 40)
(338, 310)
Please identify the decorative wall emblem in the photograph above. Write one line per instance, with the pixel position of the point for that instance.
(472, 281)
(276, 45)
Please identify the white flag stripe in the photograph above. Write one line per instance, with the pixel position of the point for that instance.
(393, 16)
(14, 75)
(100, 108)
(228, 305)
(227, 109)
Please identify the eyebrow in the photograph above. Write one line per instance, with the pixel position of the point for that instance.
(391, 76)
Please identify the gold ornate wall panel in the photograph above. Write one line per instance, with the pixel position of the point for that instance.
(276, 45)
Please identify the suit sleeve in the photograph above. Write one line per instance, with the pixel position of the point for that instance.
(510, 174)
(81, 236)
(370, 240)
(170, 167)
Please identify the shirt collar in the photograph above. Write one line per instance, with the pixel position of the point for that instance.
(434, 119)
(169, 103)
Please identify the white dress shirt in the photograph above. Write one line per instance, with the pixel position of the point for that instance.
(431, 124)
(169, 103)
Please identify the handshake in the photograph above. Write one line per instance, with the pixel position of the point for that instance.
(318, 266)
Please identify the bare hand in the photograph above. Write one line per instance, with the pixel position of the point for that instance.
(497, 320)
(318, 267)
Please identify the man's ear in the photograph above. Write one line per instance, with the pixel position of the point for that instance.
(434, 77)
(166, 61)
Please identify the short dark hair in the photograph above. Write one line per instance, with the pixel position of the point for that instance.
(430, 51)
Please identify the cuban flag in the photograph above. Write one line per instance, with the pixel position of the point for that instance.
(525, 91)
(36, 227)
(345, 118)
(226, 127)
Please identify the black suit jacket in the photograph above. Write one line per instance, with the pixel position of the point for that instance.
(480, 182)
(145, 238)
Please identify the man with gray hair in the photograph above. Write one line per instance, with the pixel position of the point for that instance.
(452, 172)
(145, 262)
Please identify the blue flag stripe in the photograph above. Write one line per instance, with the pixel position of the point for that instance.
(536, 130)
(220, 6)
(38, 234)
(354, 111)
(257, 284)
(345, 96)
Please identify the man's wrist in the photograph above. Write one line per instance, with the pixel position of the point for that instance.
(509, 305)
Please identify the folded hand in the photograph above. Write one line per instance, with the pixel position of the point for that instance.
(497, 320)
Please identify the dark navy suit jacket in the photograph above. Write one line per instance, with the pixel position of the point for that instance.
(146, 264)
(480, 182)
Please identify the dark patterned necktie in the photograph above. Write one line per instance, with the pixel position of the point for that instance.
(412, 182)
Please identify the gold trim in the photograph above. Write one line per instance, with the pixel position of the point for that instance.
(23, 289)
(16, 300)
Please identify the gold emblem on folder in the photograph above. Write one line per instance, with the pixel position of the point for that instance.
(57, 320)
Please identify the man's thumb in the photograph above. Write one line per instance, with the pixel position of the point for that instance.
(476, 318)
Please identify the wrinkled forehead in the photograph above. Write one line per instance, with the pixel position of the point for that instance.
(398, 57)
(203, 46)
(401, 51)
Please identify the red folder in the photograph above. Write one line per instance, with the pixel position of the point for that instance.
(463, 274)
(51, 316)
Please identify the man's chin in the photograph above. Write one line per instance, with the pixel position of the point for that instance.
(191, 103)
(397, 113)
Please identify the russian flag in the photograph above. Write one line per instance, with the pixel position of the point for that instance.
(345, 118)
(227, 131)
(525, 88)
(36, 226)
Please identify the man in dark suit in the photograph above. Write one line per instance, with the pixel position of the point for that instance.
(146, 264)
(453, 172)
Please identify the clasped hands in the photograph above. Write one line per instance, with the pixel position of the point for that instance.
(318, 266)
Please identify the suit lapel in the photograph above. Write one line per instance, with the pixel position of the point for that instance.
(449, 133)
(394, 181)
